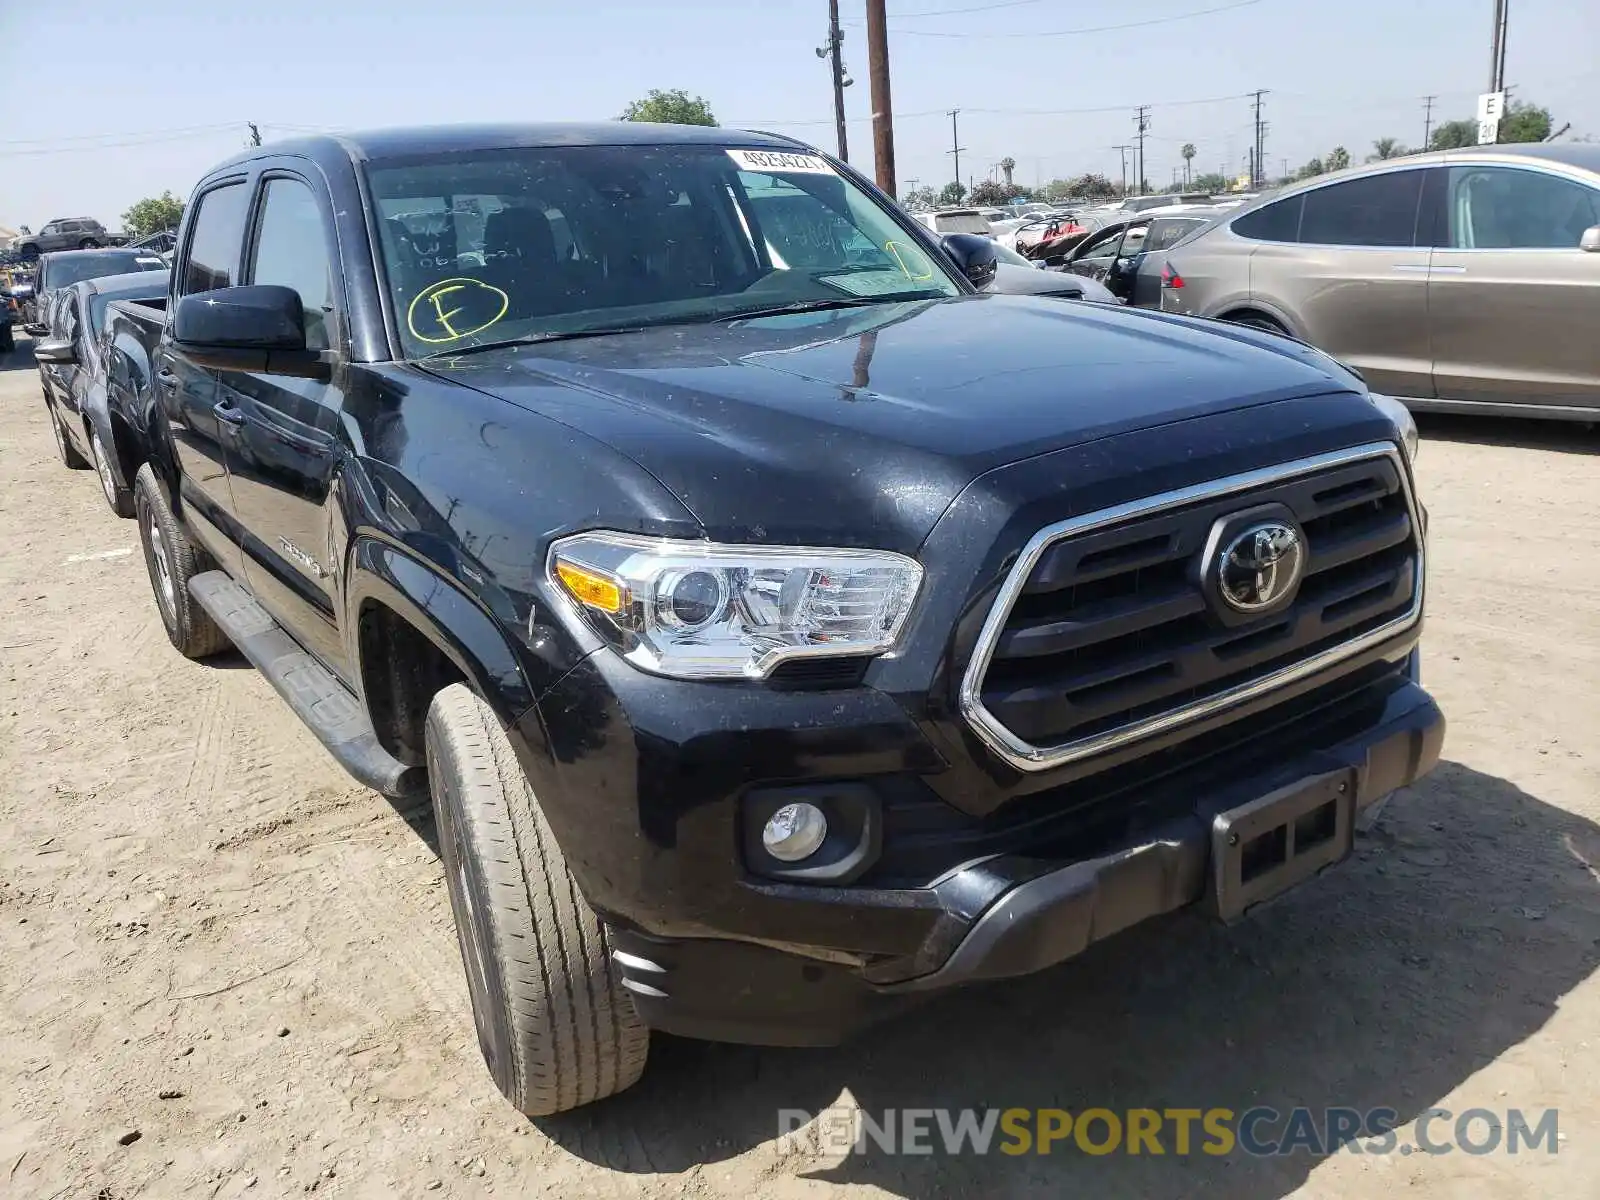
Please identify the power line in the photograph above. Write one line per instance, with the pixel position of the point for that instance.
(182, 130)
(950, 12)
(1202, 12)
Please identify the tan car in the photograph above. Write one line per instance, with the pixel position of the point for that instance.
(1464, 281)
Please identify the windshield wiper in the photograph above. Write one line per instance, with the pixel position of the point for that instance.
(531, 339)
(800, 306)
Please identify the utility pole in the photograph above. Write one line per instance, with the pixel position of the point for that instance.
(834, 51)
(882, 106)
(955, 142)
(1142, 120)
(1124, 149)
(1255, 160)
(1427, 119)
(255, 134)
(1497, 48)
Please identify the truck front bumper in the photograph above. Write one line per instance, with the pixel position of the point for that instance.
(1013, 914)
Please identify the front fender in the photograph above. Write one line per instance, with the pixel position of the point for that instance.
(455, 622)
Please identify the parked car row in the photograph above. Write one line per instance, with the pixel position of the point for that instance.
(784, 629)
(88, 389)
(58, 271)
(1463, 281)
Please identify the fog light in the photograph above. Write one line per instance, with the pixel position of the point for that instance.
(794, 832)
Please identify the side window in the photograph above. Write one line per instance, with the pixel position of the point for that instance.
(1103, 245)
(66, 318)
(291, 250)
(1279, 222)
(1379, 210)
(214, 243)
(1502, 207)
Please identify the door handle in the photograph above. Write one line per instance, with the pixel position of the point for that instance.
(1414, 268)
(227, 413)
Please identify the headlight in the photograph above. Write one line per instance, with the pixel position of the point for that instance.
(1404, 424)
(700, 610)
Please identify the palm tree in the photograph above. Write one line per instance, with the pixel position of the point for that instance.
(1188, 156)
(1387, 148)
(1008, 165)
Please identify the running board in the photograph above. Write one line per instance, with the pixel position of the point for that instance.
(316, 696)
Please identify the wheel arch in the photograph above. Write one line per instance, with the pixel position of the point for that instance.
(411, 632)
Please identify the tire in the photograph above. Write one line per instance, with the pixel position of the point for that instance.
(106, 465)
(70, 458)
(1257, 321)
(172, 560)
(88, 244)
(555, 1029)
(8, 340)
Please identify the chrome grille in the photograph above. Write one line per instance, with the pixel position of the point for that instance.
(1103, 633)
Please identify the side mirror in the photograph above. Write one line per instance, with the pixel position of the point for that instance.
(1591, 239)
(259, 328)
(55, 351)
(973, 255)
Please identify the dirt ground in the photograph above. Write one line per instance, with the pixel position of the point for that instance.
(212, 937)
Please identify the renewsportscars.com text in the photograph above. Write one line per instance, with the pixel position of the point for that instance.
(1258, 1132)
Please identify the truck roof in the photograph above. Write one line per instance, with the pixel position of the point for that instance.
(405, 141)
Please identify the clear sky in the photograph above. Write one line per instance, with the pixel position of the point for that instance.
(112, 100)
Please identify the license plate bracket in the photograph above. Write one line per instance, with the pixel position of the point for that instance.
(1262, 849)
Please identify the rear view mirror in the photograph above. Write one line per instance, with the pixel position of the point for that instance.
(259, 328)
(974, 255)
(1591, 239)
(59, 350)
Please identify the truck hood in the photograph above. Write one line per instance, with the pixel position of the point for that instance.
(860, 426)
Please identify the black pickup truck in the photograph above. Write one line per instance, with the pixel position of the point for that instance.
(785, 629)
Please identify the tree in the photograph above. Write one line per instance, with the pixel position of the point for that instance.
(1213, 183)
(990, 194)
(921, 198)
(1188, 157)
(1091, 185)
(1008, 165)
(1385, 148)
(952, 193)
(152, 215)
(1453, 135)
(1339, 159)
(1311, 170)
(676, 107)
(1524, 122)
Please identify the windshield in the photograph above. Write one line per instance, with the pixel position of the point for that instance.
(962, 222)
(496, 245)
(75, 268)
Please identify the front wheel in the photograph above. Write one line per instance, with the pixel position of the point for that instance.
(88, 244)
(1257, 321)
(555, 1029)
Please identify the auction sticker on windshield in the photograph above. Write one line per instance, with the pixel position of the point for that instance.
(779, 162)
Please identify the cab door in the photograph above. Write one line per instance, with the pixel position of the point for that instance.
(288, 446)
(1514, 299)
(1096, 256)
(202, 434)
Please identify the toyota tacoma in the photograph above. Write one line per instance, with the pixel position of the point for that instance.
(785, 629)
